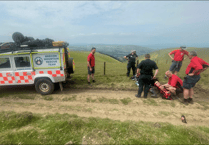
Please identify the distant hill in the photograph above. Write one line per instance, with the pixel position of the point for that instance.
(162, 54)
(81, 57)
(116, 51)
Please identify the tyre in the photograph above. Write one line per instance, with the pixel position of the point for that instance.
(44, 86)
(18, 37)
(70, 69)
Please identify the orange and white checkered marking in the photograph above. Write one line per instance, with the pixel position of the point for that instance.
(24, 77)
(7, 78)
(53, 73)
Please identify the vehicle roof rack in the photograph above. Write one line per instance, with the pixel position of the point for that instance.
(12, 48)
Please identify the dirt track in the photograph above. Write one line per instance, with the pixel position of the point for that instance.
(108, 104)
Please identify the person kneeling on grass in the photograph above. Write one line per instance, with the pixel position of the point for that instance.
(196, 66)
(174, 84)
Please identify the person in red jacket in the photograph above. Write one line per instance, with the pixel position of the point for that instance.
(91, 65)
(178, 58)
(174, 84)
(196, 66)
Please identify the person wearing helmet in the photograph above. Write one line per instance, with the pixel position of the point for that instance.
(132, 57)
(177, 59)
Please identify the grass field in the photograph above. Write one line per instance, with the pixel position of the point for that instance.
(28, 128)
(115, 74)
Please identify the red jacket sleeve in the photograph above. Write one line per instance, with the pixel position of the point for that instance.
(172, 52)
(89, 57)
(203, 62)
(186, 52)
(188, 68)
(180, 81)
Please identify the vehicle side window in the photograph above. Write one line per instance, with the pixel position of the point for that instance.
(22, 61)
(4, 63)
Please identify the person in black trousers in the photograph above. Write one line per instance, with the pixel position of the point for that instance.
(146, 75)
(132, 57)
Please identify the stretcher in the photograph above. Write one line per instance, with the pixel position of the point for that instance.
(166, 93)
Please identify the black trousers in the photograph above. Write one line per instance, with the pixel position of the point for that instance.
(129, 66)
(144, 82)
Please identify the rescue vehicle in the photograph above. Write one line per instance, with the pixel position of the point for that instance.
(41, 66)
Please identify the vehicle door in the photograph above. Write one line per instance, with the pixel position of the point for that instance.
(23, 69)
(6, 71)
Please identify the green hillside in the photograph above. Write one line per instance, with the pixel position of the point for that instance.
(115, 74)
(81, 56)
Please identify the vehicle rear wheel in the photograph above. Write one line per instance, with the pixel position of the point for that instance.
(44, 86)
(70, 64)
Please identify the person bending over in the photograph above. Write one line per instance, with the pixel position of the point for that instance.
(195, 67)
(174, 84)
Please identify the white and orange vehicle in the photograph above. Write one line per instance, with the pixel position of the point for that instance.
(42, 66)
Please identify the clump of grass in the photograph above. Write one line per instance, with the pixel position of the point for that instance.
(73, 98)
(15, 95)
(164, 113)
(172, 104)
(90, 100)
(103, 99)
(48, 97)
(169, 102)
(125, 101)
(113, 101)
(4, 95)
(150, 101)
(25, 96)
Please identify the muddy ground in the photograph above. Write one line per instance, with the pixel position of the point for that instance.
(112, 104)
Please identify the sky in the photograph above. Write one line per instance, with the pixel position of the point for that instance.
(108, 22)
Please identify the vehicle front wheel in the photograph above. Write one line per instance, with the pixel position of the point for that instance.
(44, 86)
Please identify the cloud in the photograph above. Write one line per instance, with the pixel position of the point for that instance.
(107, 21)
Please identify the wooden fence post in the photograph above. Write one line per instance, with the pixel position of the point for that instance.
(104, 67)
(166, 61)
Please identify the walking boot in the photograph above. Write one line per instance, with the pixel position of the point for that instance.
(185, 101)
(190, 100)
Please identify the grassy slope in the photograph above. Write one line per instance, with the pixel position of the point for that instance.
(116, 71)
(24, 128)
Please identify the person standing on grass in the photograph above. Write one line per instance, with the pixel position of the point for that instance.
(146, 75)
(91, 65)
(132, 57)
(178, 58)
(196, 66)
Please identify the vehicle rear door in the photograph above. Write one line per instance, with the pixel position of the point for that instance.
(6, 71)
